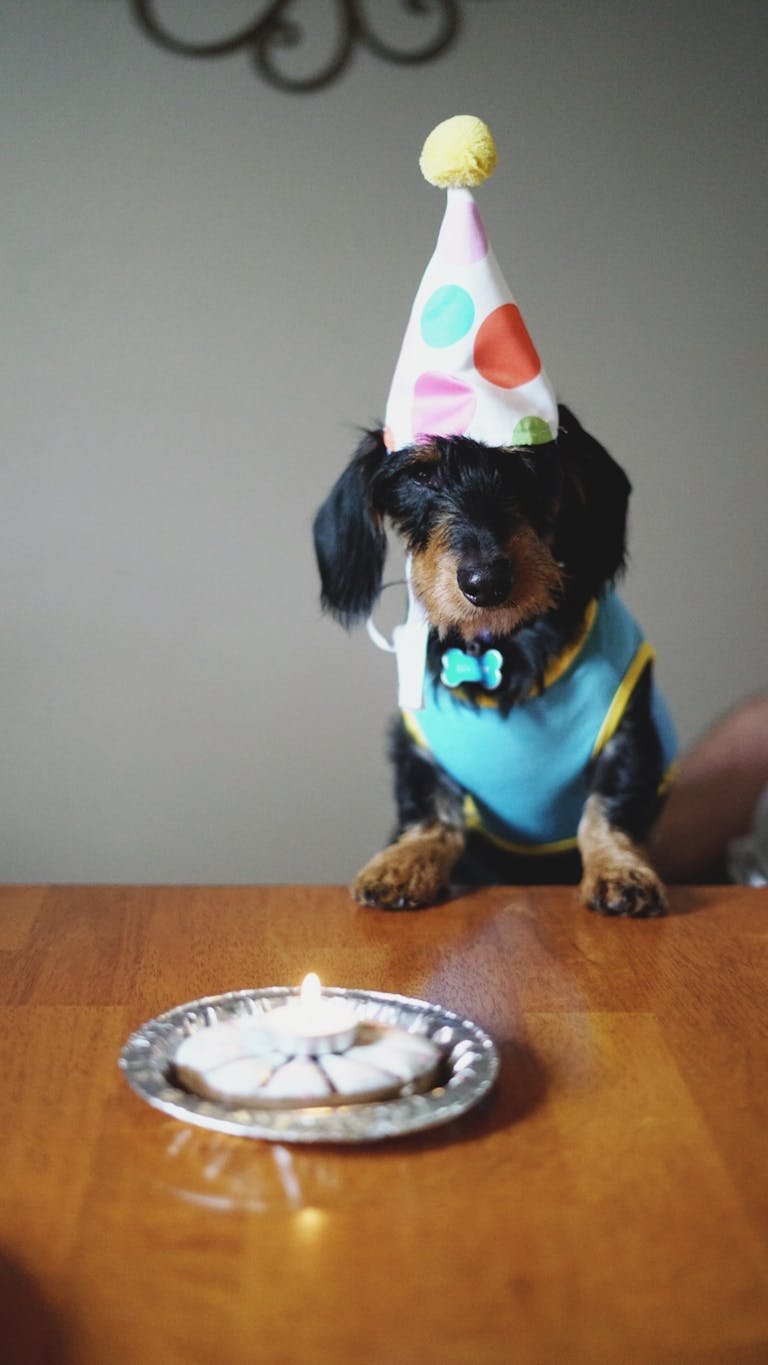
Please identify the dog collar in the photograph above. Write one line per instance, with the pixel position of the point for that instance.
(554, 670)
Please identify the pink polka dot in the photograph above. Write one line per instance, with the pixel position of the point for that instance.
(442, 405)
(462, 238)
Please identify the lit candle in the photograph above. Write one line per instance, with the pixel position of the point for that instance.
(311, 1024)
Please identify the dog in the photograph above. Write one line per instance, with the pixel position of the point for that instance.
(514, 555)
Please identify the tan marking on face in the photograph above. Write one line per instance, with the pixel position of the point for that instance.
(537, 586)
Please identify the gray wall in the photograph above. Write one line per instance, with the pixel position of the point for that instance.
(204, 290)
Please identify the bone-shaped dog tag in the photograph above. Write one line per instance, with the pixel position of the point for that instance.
(459, 668)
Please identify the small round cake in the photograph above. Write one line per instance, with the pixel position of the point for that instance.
(238, 1064)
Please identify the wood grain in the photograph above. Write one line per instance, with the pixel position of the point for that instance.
(608, 1203)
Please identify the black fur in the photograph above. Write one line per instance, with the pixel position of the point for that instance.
(629, 770)
(350, 543)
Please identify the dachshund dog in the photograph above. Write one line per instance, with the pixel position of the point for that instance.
(514, 554)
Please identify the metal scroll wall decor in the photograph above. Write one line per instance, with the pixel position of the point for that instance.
(279, 27)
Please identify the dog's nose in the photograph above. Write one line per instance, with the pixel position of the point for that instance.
(487, 584)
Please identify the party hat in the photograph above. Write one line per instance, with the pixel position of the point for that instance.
(467, 365)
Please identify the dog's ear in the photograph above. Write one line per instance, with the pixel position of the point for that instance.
(590, 536)
(349, 537)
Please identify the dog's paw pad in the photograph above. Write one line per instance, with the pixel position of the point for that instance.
(637, 895)
(382, 898)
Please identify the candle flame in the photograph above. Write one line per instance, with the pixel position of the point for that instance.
(310, 989)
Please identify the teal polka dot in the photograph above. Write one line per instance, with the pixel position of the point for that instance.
(447, 316)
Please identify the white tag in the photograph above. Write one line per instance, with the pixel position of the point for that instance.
(411, 650)
(409, 647)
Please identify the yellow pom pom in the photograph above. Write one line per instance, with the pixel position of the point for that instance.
(460, 151)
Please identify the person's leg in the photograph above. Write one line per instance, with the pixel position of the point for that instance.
(713, 797)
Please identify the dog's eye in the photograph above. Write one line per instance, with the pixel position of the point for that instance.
(426, 475)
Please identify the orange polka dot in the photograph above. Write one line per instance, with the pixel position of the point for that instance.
(504, 352)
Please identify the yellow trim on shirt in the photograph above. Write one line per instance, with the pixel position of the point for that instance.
(622, 695)
(668, 778)
(414, 729)
(557, 667)
(474, 822)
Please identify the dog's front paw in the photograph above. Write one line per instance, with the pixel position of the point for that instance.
(618, 879)
(411, 873)
(399, 879)
(635, 892)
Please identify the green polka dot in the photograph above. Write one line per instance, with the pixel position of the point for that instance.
(531, 431)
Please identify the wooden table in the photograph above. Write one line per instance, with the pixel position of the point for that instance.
(607, 1203)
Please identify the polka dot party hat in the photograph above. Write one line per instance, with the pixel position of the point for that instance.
(467, 365)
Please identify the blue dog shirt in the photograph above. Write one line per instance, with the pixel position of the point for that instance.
(525, 774)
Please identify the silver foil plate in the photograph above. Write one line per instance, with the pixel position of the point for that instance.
(469, 1070)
